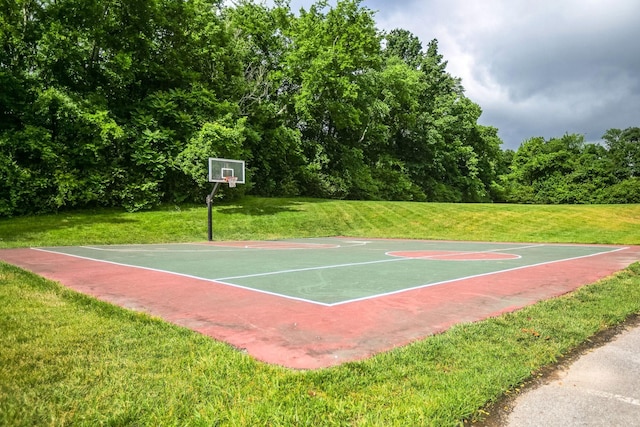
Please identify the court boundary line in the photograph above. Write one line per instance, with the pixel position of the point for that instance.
(222, 248)
(443, 255)
(354, 264)
(500, 251)
(189, 276)
(385, 294)
(427, 285)
(187, 251)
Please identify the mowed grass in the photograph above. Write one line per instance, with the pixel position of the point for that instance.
(261, 218)
(67, 359)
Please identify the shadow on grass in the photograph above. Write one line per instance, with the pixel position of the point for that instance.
(259, 207)
(22, 228)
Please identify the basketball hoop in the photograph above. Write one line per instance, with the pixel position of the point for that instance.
(222, 171)
(231, 180)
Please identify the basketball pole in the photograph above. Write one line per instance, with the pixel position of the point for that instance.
(209, 213)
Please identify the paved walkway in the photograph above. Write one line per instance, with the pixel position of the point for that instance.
(601, 388)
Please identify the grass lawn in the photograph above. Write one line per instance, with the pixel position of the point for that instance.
(67, 359)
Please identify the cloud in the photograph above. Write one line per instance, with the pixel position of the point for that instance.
(537, 68)
(540, 68)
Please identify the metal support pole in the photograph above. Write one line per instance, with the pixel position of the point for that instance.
(209, 213)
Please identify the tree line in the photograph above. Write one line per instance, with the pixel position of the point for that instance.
(569, 170)
(120, 103)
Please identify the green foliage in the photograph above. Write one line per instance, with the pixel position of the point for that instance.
(404, 45)
(624, 151)
(222, 139)
(58, 160)
(627, 191)
(101, 101)
(568, 170)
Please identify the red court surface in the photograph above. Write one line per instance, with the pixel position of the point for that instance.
(304, 335)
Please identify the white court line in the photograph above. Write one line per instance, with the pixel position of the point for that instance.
(355, 264)
(222, 248)
(355, 243)
(426, 285)
(321, 267)
(516, 248)
(159, 250)
(189, 276)
(197, 251)
(457, 253)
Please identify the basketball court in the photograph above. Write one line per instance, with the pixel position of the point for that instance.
(311, 303)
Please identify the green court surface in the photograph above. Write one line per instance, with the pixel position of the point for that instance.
(333, 271)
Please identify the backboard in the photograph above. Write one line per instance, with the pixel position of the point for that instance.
(221, 169)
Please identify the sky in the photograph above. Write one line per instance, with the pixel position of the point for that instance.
(537, 68)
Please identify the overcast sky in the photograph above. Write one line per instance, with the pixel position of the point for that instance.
(536, 67)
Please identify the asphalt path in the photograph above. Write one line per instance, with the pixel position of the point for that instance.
(600, 387)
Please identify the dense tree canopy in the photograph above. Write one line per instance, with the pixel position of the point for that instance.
(119, 103)
(568, 170)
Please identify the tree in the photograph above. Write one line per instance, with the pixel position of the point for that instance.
(327, 72)
(103, 96)
(116, 103)
(624, 151)
(568, 170)
(274, 148)
(61, 158)
(404, 45)
(442, 146)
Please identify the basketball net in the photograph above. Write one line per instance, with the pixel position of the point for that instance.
(231, 180)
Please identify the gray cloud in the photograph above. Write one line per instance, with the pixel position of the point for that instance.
(542, 68)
